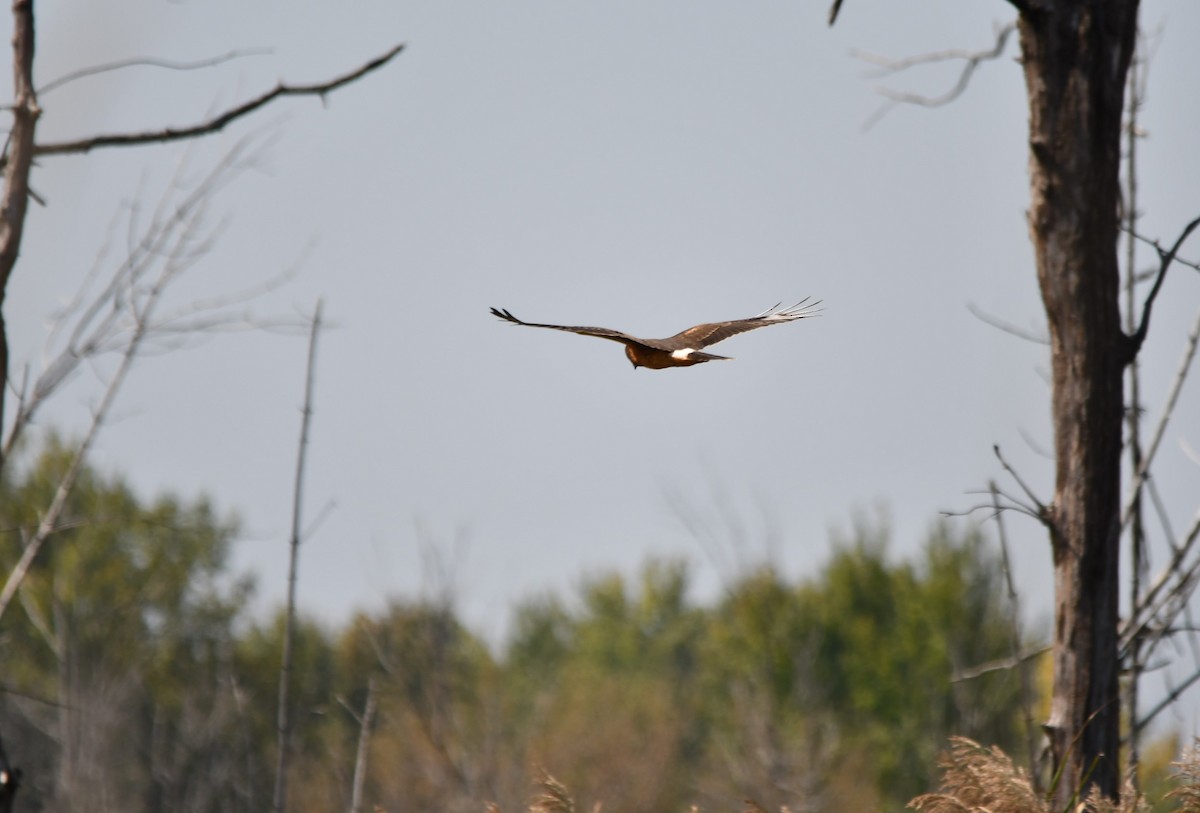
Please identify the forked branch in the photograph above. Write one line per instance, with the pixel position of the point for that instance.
(970, 59)
(1165, 258)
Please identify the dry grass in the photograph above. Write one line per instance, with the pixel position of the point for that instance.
(552, 796)
(981, 780)
(1187, 794)
(985, 780)
(975, 779)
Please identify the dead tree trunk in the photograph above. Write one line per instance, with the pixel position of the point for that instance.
(1075, 55)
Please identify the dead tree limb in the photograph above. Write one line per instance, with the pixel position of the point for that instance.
(365, 724)
(171, 246)
(1014, 626)
(970, 59)
(1141, 238)
(218, 122)
(1166, 258)
(833, 11)
(1000, 324)
(1166, 702)
(102, 317)
(1139, 476)
(1042, 509)
(150, 62)
(18, 161)
(283, 718)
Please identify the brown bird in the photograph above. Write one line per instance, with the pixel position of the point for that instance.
(682, 349)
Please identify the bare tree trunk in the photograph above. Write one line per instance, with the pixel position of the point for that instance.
(283, 720)
(364, 744)
(25, 112)
(1076, 54)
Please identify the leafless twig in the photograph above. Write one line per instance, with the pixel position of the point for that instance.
(1041, 508)
(1166, 257)
(1162, 591)
(1007, 327)
(101, 319)
(1139, 476)
(1153, 272)
(151, 62)
(168, 248)
(1167, 701)
(1001, 665)
(970, 59)
(1014, 625)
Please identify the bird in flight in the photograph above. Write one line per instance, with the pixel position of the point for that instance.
(683, 349)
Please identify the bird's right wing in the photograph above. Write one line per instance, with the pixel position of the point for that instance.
(599, 332)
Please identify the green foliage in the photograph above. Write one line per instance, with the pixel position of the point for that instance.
(118, 650)
(138, 678)
(889, 638)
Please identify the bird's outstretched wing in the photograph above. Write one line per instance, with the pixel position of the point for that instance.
(599, 332)
(713, 332)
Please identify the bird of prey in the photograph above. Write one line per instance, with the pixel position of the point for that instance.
(682, 349)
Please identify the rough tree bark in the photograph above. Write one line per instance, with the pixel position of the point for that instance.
(15, 200)
(1076, 54)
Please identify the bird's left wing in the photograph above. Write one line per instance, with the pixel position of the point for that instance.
(599, 332)
(713, 332)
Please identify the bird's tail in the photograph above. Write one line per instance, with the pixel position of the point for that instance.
(699, 357)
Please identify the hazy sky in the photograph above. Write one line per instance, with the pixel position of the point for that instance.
(638, 165)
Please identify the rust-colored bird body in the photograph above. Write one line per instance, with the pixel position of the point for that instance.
(684, 348)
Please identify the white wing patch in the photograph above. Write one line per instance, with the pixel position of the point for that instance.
(684, 354)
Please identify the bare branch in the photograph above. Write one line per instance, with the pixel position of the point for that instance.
(1007, 327)
(1165, 259)
(1000, 665)
(364, 742)
(1034, 446)
(971, 60)
(218, 122)
(120, 318)
(1041, 508)
(1145, 275)
(833, 11)
(103, 321)
(1167, 701)
(1154, 600)
(1181, 373)
(1014, 623)
(151, 62)
(283, 718)
(1160, 508)
(49, 521)
(1011, 505)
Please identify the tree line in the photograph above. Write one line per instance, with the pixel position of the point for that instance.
(135, 677)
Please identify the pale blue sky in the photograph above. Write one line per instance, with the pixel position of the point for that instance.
(639, 165)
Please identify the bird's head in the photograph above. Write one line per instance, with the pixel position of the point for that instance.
(632, 358)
